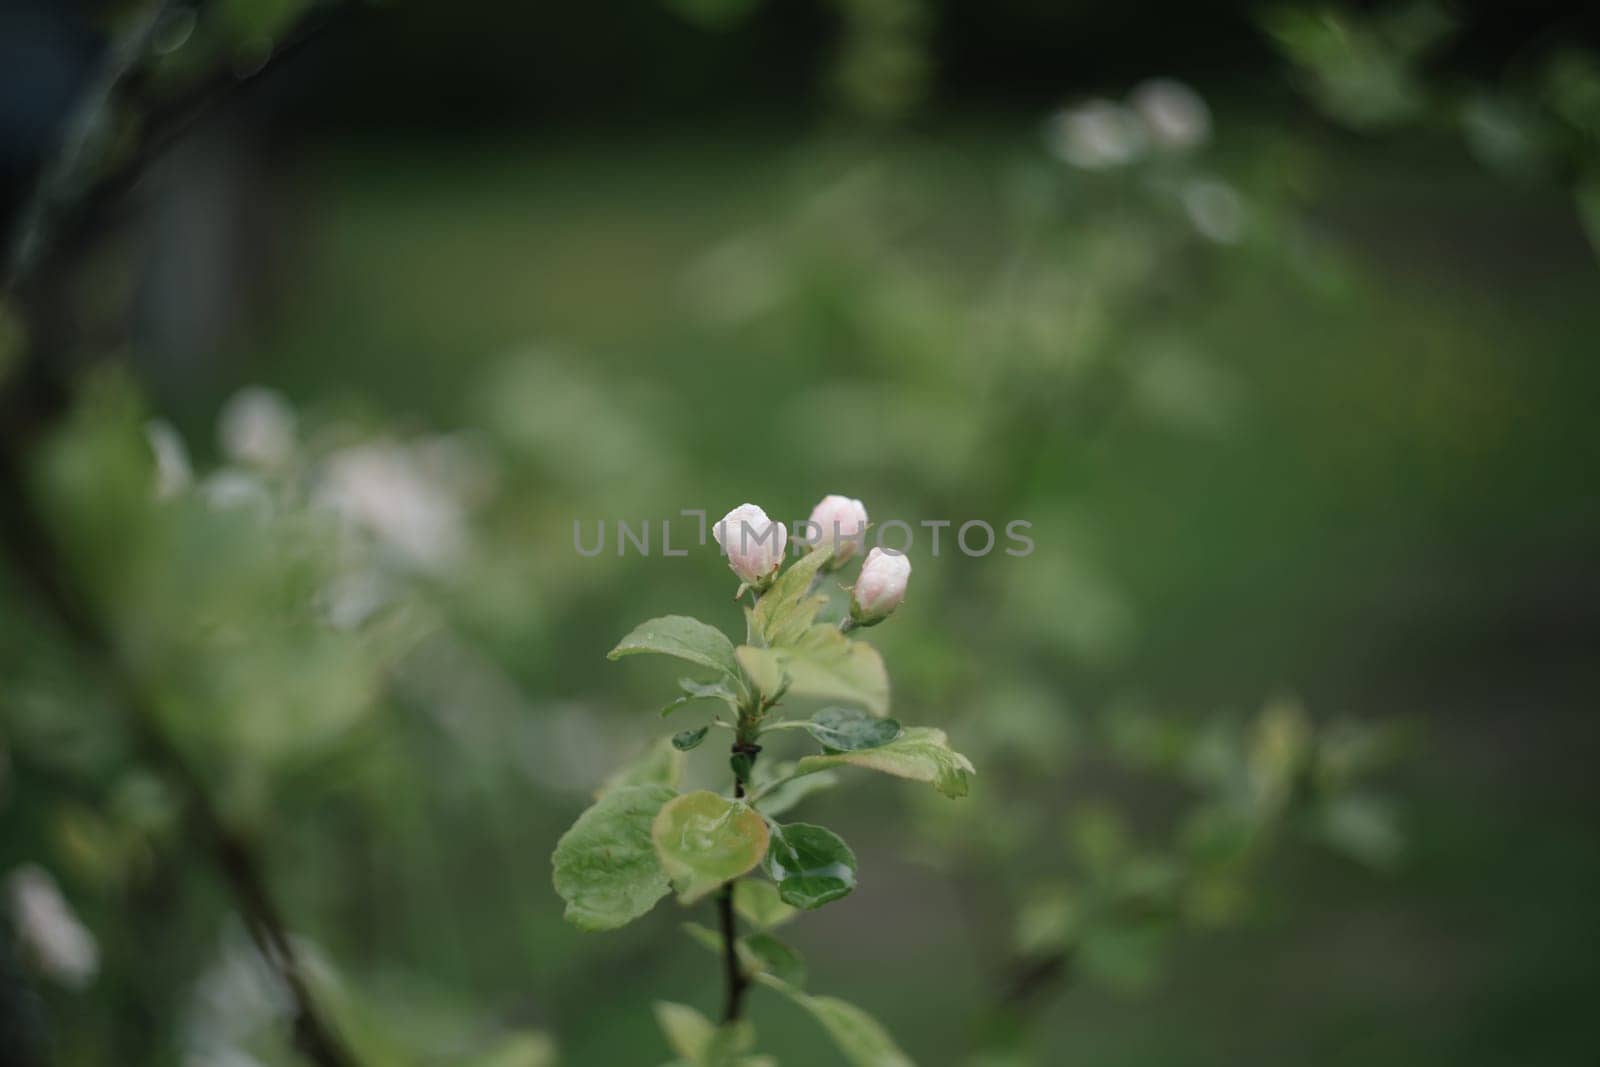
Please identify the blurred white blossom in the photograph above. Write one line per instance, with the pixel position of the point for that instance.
(174, 473)
(231, 489)
(1096, 135)
(1175, 116)
(257, 428)
(393, 492)
(48, 931)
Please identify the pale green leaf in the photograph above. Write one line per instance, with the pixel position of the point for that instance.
(763, 953)
(921, 753)
(526, 1049)
(606, 867)
(693, 690)
(786, 611)
(824, 664)
(759, 903)
(704, 840)
(683, 637)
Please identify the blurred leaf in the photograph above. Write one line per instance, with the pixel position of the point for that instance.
(698, 1040)
(921, 753)
(659, 764)
(606, 867)
(713, 14)
(704, 840)
(851, 729)
(759, 903)
(683, 637)
(1363, 827)
(812, 865)
(861, 1039)
(519, 1050)
(774, 957)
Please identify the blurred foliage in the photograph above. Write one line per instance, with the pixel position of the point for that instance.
(1246, 455)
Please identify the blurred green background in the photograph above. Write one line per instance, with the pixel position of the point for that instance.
(1296, 391)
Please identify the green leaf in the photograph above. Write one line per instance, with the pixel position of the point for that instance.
(786, 611)
(660, 764)
(704, 840)
(771, 956)
(693, 690)
(683, 637)
(921, 753)
(759, 903)
(786, 796)
(689, 739)
(861, 1039)
(812, 865)
(824, 664)
(851, 729)
(524, 1049)
(606, 867)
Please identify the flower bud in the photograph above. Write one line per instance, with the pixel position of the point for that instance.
(752, 542)
(880, 588)
(838, 521)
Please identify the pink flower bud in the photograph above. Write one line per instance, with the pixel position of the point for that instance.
(881, 587)
(838, 521)
(752, 542)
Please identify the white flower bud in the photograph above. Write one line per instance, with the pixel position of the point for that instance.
(838, 521)
(752, 542)
(880, 588)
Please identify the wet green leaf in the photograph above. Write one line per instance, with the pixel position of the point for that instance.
(704, 840)
(693, 690)
(851, 729)
(606, 866)
(921, 753)
(812, 865)
(689, 739)
(683, 637)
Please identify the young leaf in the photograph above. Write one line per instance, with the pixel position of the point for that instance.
(689, 739)
(771, 956)
(861, 1039)
(660, 764)
(693, 690)
(921, 753)
(851, 729)
(606, 867)
(683, 637)
(812, 865)
(786, 611)
(825, 664)
(704, 840)
(759, 903)
(786, 796)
